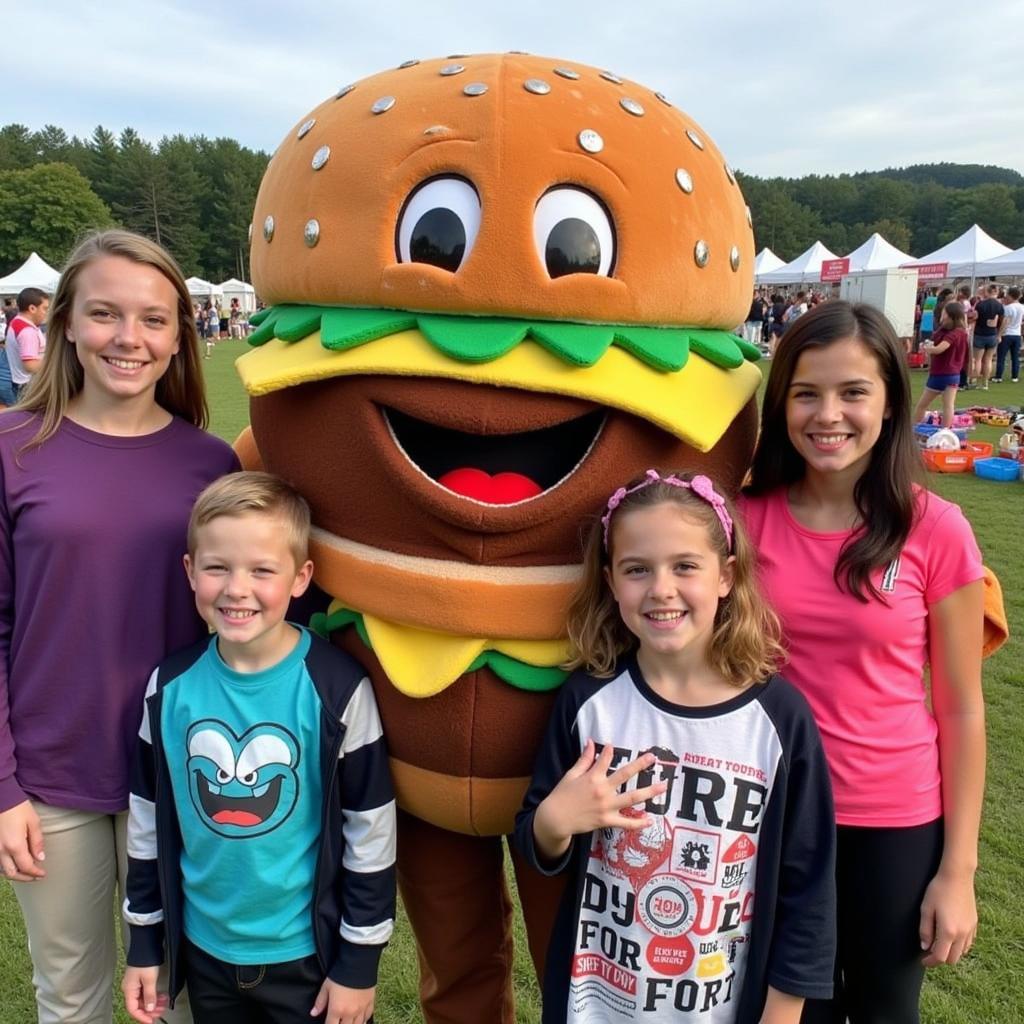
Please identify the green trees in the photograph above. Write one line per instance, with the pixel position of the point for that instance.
(192, 195)
(45, 208)
(916, 208)
(195, 196)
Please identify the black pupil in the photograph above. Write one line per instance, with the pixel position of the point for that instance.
(573, 248)
(439, 238)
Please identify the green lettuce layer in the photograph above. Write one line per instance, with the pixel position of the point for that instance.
(471, 339)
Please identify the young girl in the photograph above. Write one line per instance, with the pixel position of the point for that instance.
(100, 462)
(677, 778)
(873, 577)
(948, 349)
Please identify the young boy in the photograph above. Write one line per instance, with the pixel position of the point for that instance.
(260, 769)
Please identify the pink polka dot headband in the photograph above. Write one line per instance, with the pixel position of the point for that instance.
(700, 485)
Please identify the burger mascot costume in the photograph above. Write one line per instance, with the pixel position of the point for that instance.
(498, 287)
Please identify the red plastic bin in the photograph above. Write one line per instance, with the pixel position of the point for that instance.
(948, 462)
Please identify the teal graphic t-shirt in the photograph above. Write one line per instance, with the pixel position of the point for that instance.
(244, 756)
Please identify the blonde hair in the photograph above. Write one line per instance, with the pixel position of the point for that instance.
(746, 642)
(180, 390)
(239, 494)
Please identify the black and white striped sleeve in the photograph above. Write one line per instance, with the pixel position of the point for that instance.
(143, 909)
(368, 864)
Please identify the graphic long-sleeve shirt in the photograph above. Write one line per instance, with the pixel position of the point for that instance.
(262, 819)
(731, 887)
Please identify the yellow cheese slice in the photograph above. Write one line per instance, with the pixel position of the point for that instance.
(421, 663)
(696, 404)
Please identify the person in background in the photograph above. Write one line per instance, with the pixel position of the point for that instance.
(798, 308)
(7, 396)
(777, 322)
(1009, 338)
(25, 343)
(948, 351)
(99, 466)
(928, 315)
(753, 327)
(987, 329)
(963, 296)
(235, 319)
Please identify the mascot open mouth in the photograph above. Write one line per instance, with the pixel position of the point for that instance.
(496, 469)
(246, 811)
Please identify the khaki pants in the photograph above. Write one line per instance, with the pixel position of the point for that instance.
(69, 916)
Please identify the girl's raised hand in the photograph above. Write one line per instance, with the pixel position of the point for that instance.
(587, 798)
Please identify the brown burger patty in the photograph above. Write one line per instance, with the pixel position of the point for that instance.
(367, 491)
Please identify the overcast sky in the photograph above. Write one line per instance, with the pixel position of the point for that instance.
(785, 88)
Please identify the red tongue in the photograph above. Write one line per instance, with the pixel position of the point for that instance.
(502, 489)
(246, 818)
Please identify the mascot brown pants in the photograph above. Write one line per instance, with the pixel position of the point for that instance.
(454, 891)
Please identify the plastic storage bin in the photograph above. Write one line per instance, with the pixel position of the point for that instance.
(997, 469)
(925, 430)
(948, 462)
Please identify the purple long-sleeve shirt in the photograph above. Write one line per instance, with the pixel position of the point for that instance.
(92, 596)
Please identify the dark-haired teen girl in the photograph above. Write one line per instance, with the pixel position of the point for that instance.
(873, 578)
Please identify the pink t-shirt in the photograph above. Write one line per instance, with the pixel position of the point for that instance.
(24, 341)
(860, 666)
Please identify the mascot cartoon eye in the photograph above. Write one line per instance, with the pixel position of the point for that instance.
(573, 233)
(212, 745)
(258, 753)
(439, 223)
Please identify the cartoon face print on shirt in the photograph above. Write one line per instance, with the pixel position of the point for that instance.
(242, 786)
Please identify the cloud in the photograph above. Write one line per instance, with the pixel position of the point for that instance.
(784, 89)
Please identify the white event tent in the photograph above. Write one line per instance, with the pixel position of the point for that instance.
(35, 272)
(1010, 264)
(765, 261)
(876, 254)
(805, 269)
(200, 289)
(965, 255)
(232, 288)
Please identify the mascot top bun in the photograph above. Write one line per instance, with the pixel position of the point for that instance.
(499, 286)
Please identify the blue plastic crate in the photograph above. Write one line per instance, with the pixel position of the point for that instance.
(925, 430)
(997, 469)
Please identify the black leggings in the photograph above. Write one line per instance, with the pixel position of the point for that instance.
(881, 876)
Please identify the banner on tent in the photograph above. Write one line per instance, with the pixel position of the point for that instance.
(833, 270)
(932, 271)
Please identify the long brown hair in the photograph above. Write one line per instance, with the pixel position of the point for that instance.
(956, 314)
(884, 494)
(745, 644)
(180, 390)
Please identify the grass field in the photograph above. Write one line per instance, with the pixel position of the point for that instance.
(988, 988)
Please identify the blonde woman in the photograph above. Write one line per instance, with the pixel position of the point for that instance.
(100, 460)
